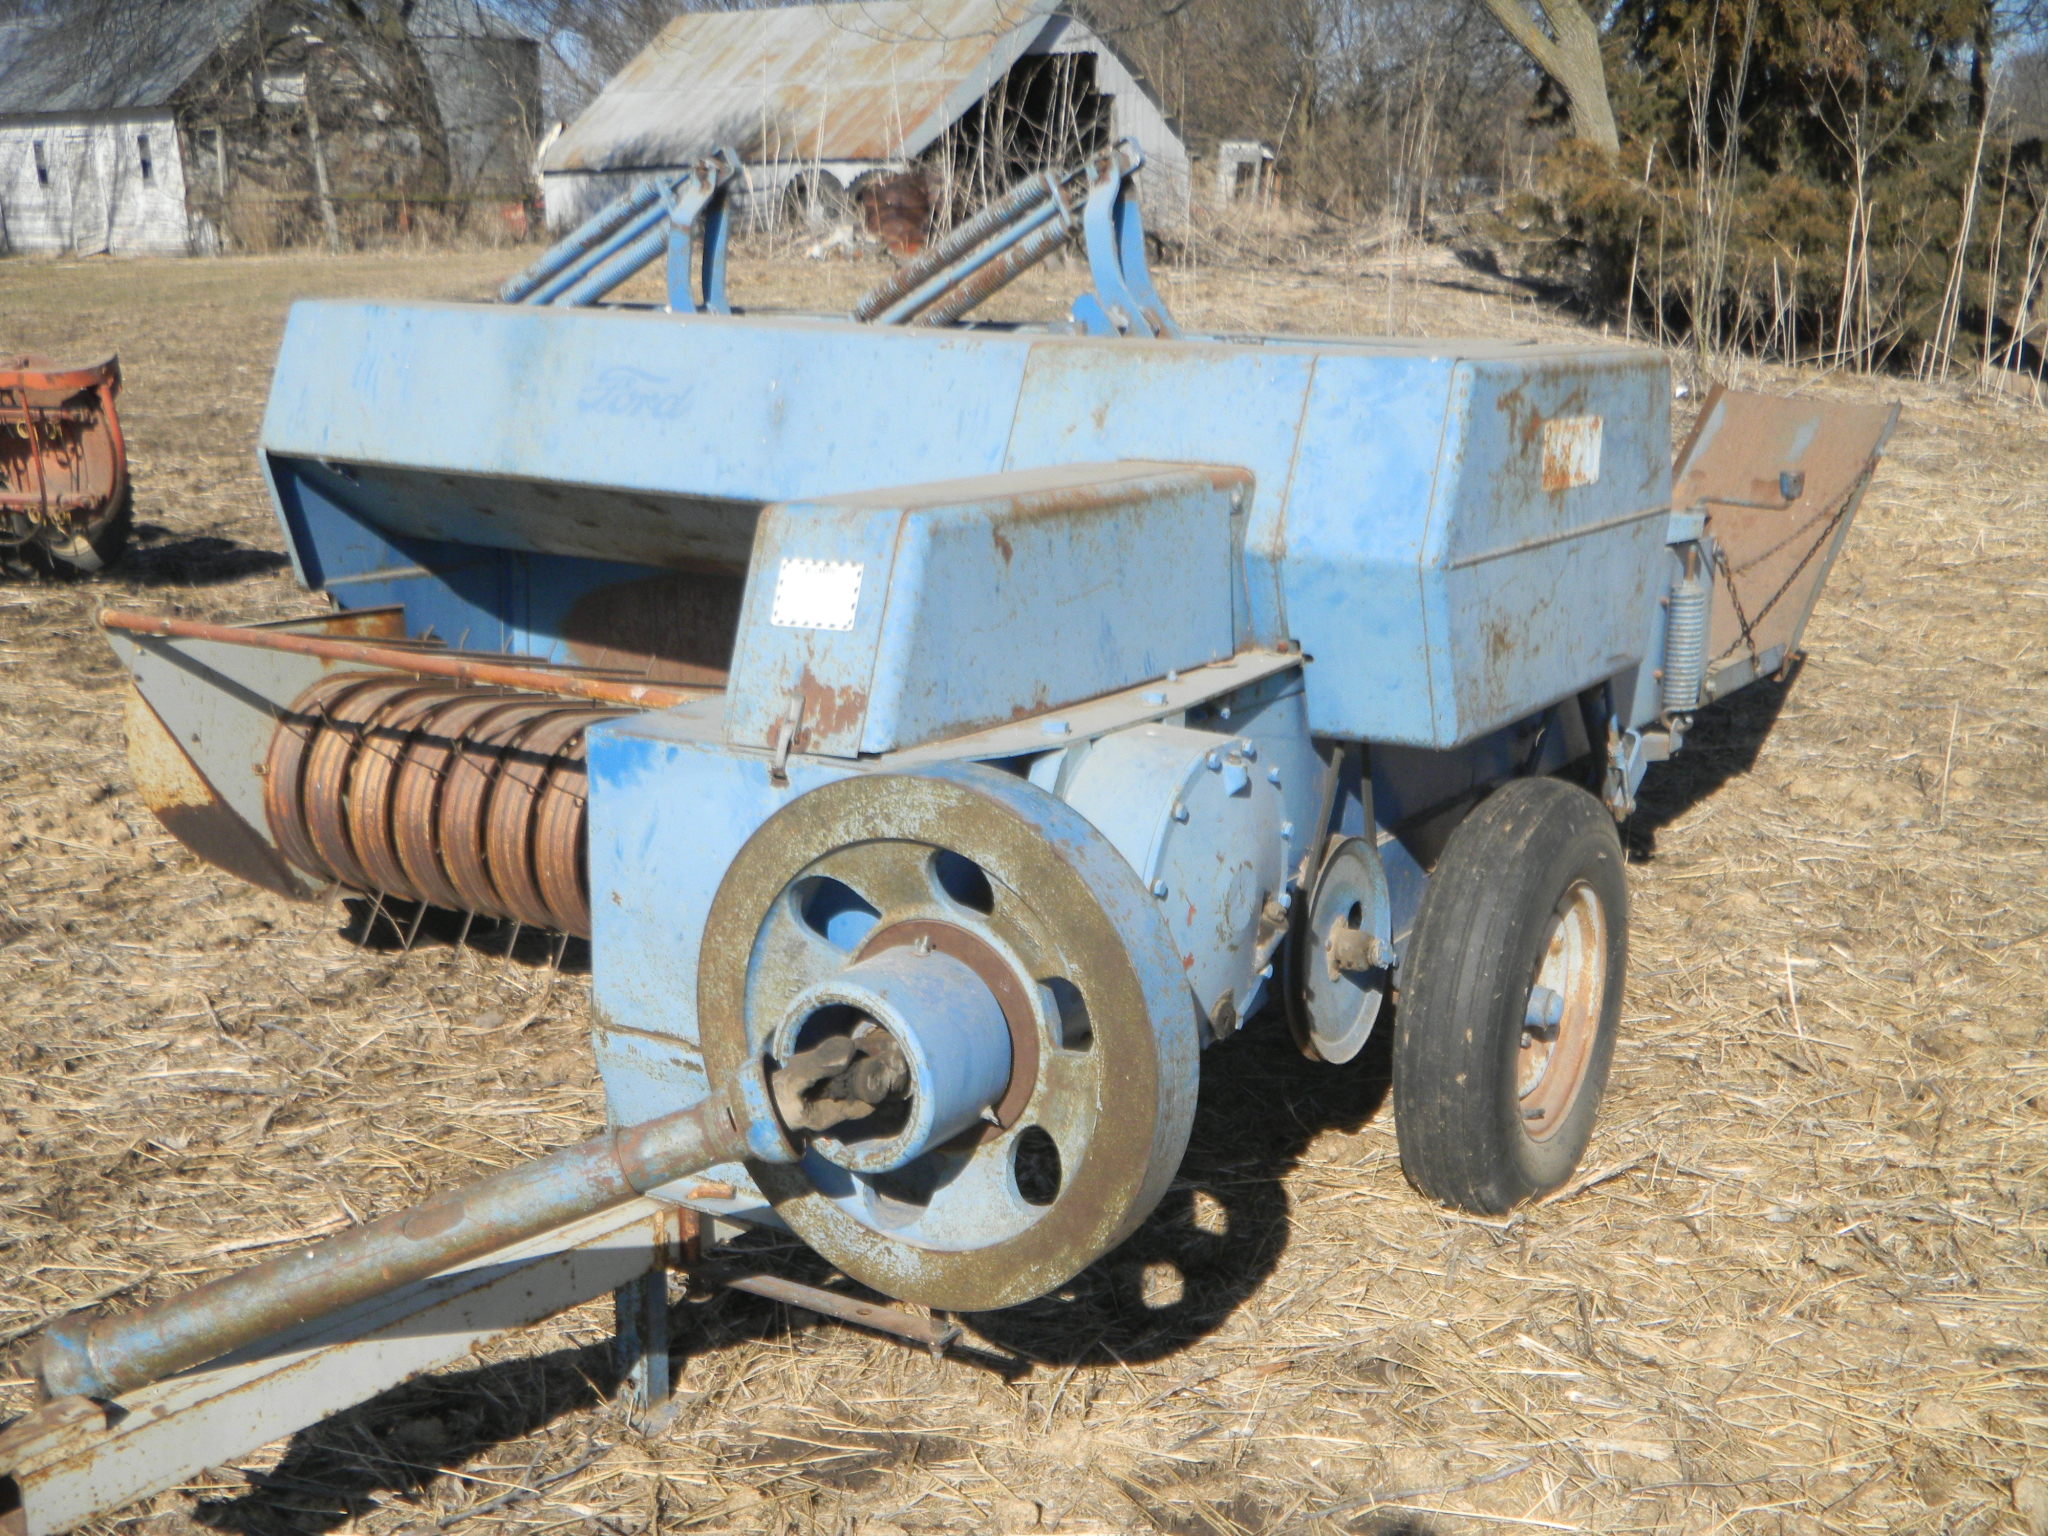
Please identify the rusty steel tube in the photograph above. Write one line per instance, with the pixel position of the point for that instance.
(999, 273)
(1020, 199)
(104, 1357)
(462, 669)
(898, 1322)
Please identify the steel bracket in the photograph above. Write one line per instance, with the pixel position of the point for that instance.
(698, 226)
(1629, 755)
(1686, 527)
(1124, 301)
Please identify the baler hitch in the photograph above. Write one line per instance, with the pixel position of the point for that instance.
(842, 1079)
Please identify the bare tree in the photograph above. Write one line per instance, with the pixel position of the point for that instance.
(1569, 53)
(2025, 88)
(378, 35)
(586, 42)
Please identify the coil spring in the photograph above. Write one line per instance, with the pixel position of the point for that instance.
(1685, 645)
(461, 797)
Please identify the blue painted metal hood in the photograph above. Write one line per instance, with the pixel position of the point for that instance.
(1456, 532)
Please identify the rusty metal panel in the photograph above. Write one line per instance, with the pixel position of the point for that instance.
(199, 730)
(1780, 480)
(874, 82)
(1546, 544)
(804, 660)
(63, 460)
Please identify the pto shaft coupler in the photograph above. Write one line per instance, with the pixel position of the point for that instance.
(107, 1356)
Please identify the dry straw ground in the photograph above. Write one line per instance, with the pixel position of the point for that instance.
(1800, 1287)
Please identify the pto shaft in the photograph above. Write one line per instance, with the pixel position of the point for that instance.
(104, 1357)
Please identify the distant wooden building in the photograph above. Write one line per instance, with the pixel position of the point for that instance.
(1244, 171)
(192, 125)
(829, 97)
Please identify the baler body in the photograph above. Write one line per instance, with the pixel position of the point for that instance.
(1460, 534)
(1379, 576)
(1415, 545)
(942, 734)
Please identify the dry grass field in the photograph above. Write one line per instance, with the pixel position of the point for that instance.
(1801, 1286)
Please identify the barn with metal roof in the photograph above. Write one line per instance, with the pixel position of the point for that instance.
(841, 93)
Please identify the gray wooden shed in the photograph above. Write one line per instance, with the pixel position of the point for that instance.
(848, 91)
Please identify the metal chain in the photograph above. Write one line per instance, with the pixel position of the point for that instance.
(1748, 637)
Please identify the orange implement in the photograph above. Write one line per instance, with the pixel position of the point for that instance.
(64, 494)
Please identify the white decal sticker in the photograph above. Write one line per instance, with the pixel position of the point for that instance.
(1571, 452)
(816, 594)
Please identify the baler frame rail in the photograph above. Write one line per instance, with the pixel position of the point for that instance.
(76, 1458)
(267, 1350)
(688, 216)
(418, 660)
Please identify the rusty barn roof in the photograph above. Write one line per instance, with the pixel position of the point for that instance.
(863, 80)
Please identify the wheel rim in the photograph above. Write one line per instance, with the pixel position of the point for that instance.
(1092, 1128)
(1332, 1009)
(1561, 1016)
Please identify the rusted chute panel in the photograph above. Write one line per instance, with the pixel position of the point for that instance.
(1780, 481)
(63, 465)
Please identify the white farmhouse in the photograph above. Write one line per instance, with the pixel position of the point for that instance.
(183, 125)
(89, 153)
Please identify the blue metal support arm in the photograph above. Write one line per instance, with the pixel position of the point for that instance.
(699, 204)
(670, 214)
(1017, 232)
(1124, 301)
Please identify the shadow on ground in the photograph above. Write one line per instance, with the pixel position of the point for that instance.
(401, 1442)
(156, 559)
(1723, 744)
(1223, 1225)
(389, 925)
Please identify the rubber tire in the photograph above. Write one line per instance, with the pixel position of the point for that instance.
(1464, 984)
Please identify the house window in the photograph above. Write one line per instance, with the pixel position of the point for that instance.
(42, 165)
(142, 153)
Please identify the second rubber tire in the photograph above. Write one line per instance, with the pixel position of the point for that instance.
(1531, 885)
